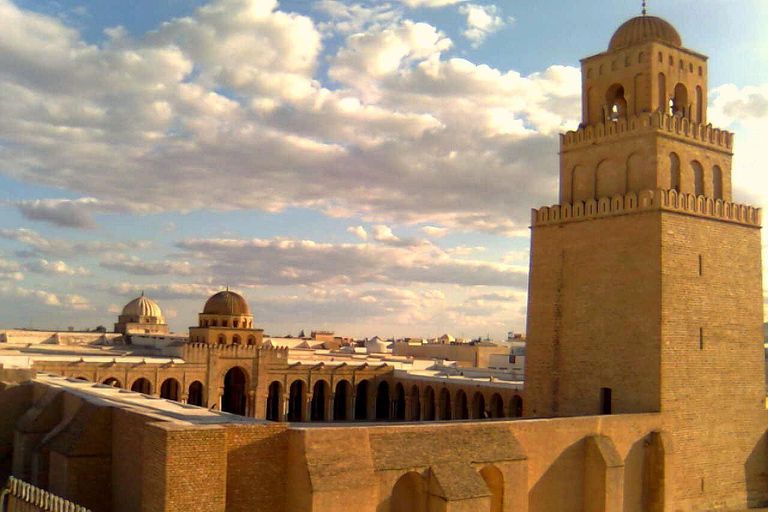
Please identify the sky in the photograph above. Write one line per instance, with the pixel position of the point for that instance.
(361, 166)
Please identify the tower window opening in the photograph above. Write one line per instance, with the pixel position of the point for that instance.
(627, 62)
(661, 57)
(671, 60)
(690, 68)
(640, 58)
(701, 71)
(606, 402)
(701, 265)
(679, 103)
(701, 338)
(617, 104)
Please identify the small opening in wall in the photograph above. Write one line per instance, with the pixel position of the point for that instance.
(701, 265)
(701, 338)
(606, 404)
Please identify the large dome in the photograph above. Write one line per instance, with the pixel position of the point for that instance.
(227, 303)
(142, 306)
(643, 29)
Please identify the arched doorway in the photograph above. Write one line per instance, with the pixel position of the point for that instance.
(409, 494)
(478, 406)
(462, 412)
(340, 401)
(399, 406)
(494, 479)
(497, 406)
(415, 404)
(361, 401)
(382, 401)
(234, 391)
(170, 389)
(445, 405)
(273, 401)
(429, 404)
(296, 401)
(516, 407)
(112, 382)
(142, 385)
(319, 396)
(195, 396)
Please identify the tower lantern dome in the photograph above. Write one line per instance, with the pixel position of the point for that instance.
(642, 29)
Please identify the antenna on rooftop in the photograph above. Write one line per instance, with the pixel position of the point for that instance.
(645, 7)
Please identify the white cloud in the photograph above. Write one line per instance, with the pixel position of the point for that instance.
(10, 271)
(38, 244)
(358, 231)
(74, 213)
(55, 268)
(434, 231)
(347, 18)
(134, 265)
(482, 21)
(159, 291)
(285, 262)
(70, 302)
(230, 96)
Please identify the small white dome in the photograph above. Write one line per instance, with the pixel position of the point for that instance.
(142, 306)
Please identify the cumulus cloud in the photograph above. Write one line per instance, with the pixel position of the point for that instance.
(231, 96)
(72, 302)
(10, 271)
(482, 21)
(159, 291)
(359, 232)
(55, 268)
(434, 231)
(134, 265)
(347, 18)
(290, 262)
(74, 213)
(40, 245)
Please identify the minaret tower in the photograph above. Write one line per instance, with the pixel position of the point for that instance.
(645, 291)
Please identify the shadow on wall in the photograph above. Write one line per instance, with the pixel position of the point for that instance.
(756, 473)
(561, 487)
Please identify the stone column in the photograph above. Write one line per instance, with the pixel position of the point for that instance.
(307, 413)
(352, 401)
(329, 406)
(282, 411)
(408, 405)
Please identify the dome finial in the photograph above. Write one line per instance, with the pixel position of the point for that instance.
(645, 8)
(142, 293)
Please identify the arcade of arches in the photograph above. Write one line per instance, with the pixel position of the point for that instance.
(371, 396)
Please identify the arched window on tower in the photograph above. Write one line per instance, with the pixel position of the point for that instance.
(717, 182)
(662, 91)
(674, 172)
(698, 178)
(616, 103)
(679, 104)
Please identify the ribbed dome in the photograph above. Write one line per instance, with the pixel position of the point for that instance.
(142, 307)
(227, 303)
(642, 29)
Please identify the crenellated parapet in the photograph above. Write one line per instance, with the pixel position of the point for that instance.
(657, 121)
(646, 200)
(23, 496)
(199, 351)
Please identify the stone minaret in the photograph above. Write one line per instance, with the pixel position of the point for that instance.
(645, 289)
